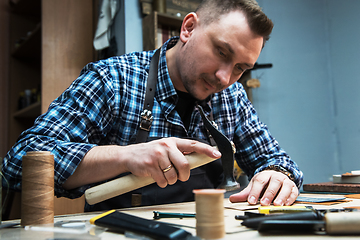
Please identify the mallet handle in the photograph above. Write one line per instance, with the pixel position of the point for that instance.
(131, 182)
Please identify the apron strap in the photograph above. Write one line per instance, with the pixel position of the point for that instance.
(146, 114)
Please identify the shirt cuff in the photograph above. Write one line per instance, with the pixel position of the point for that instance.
(279, 168)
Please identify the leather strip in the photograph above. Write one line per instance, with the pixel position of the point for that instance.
(149, 99)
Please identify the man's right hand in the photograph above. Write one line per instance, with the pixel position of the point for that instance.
(145, 159)
(152, 158)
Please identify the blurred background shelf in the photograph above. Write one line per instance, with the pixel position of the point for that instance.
(50, 41)
(30, 46)
(32, 111)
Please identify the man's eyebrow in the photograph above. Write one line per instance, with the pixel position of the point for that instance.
(249, 65)
(229, 48)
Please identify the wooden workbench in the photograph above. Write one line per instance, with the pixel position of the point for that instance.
(233, 228)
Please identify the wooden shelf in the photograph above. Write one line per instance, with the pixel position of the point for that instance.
(32, 111)
(168, 20)
(50, 42)
(151, 25)
(30, 48)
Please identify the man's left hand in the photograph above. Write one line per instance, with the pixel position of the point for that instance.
(275, 186)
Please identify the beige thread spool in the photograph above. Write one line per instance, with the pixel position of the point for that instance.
(342, 223)
(37, 195)
(210, 223)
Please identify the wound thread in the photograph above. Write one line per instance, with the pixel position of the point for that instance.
(340, 223)
(37, 195)
(210, 223)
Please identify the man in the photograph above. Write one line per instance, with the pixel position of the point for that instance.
(91, 128)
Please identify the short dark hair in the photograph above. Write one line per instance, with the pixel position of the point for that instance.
(259, 23)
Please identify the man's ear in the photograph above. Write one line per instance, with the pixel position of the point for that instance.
(188, 25)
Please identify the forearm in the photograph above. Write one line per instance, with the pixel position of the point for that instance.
(143, 159)
(99, 164)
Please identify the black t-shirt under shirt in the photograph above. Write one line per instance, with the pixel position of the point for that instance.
(185, 107)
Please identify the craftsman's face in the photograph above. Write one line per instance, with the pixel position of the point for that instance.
(215, 56)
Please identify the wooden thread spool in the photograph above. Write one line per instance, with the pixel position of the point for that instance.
(342, 223)
(210, 223)
(37, 195)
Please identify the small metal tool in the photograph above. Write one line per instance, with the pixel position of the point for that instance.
(158, 215)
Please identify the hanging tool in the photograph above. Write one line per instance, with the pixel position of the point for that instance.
(227, 154)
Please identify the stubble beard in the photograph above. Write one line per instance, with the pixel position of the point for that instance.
(190, 85)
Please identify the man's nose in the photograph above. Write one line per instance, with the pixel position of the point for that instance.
(224, 74)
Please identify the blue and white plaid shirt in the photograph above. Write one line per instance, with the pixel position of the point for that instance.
(103, 106)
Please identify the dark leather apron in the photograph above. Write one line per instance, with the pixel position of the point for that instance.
(207, 176)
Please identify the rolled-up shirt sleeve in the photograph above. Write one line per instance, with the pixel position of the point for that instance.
(75, 122)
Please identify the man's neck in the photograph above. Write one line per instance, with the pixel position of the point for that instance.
(173, 69)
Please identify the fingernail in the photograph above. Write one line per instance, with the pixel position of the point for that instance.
(252, 200)
(265, 201)
(278, 202)
(216, 153)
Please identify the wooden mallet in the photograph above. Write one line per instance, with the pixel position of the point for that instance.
(131, 182)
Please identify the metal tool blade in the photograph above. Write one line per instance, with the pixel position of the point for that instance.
(227, 155)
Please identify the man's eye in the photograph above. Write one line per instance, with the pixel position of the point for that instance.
(240, 69)
(221, 53)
